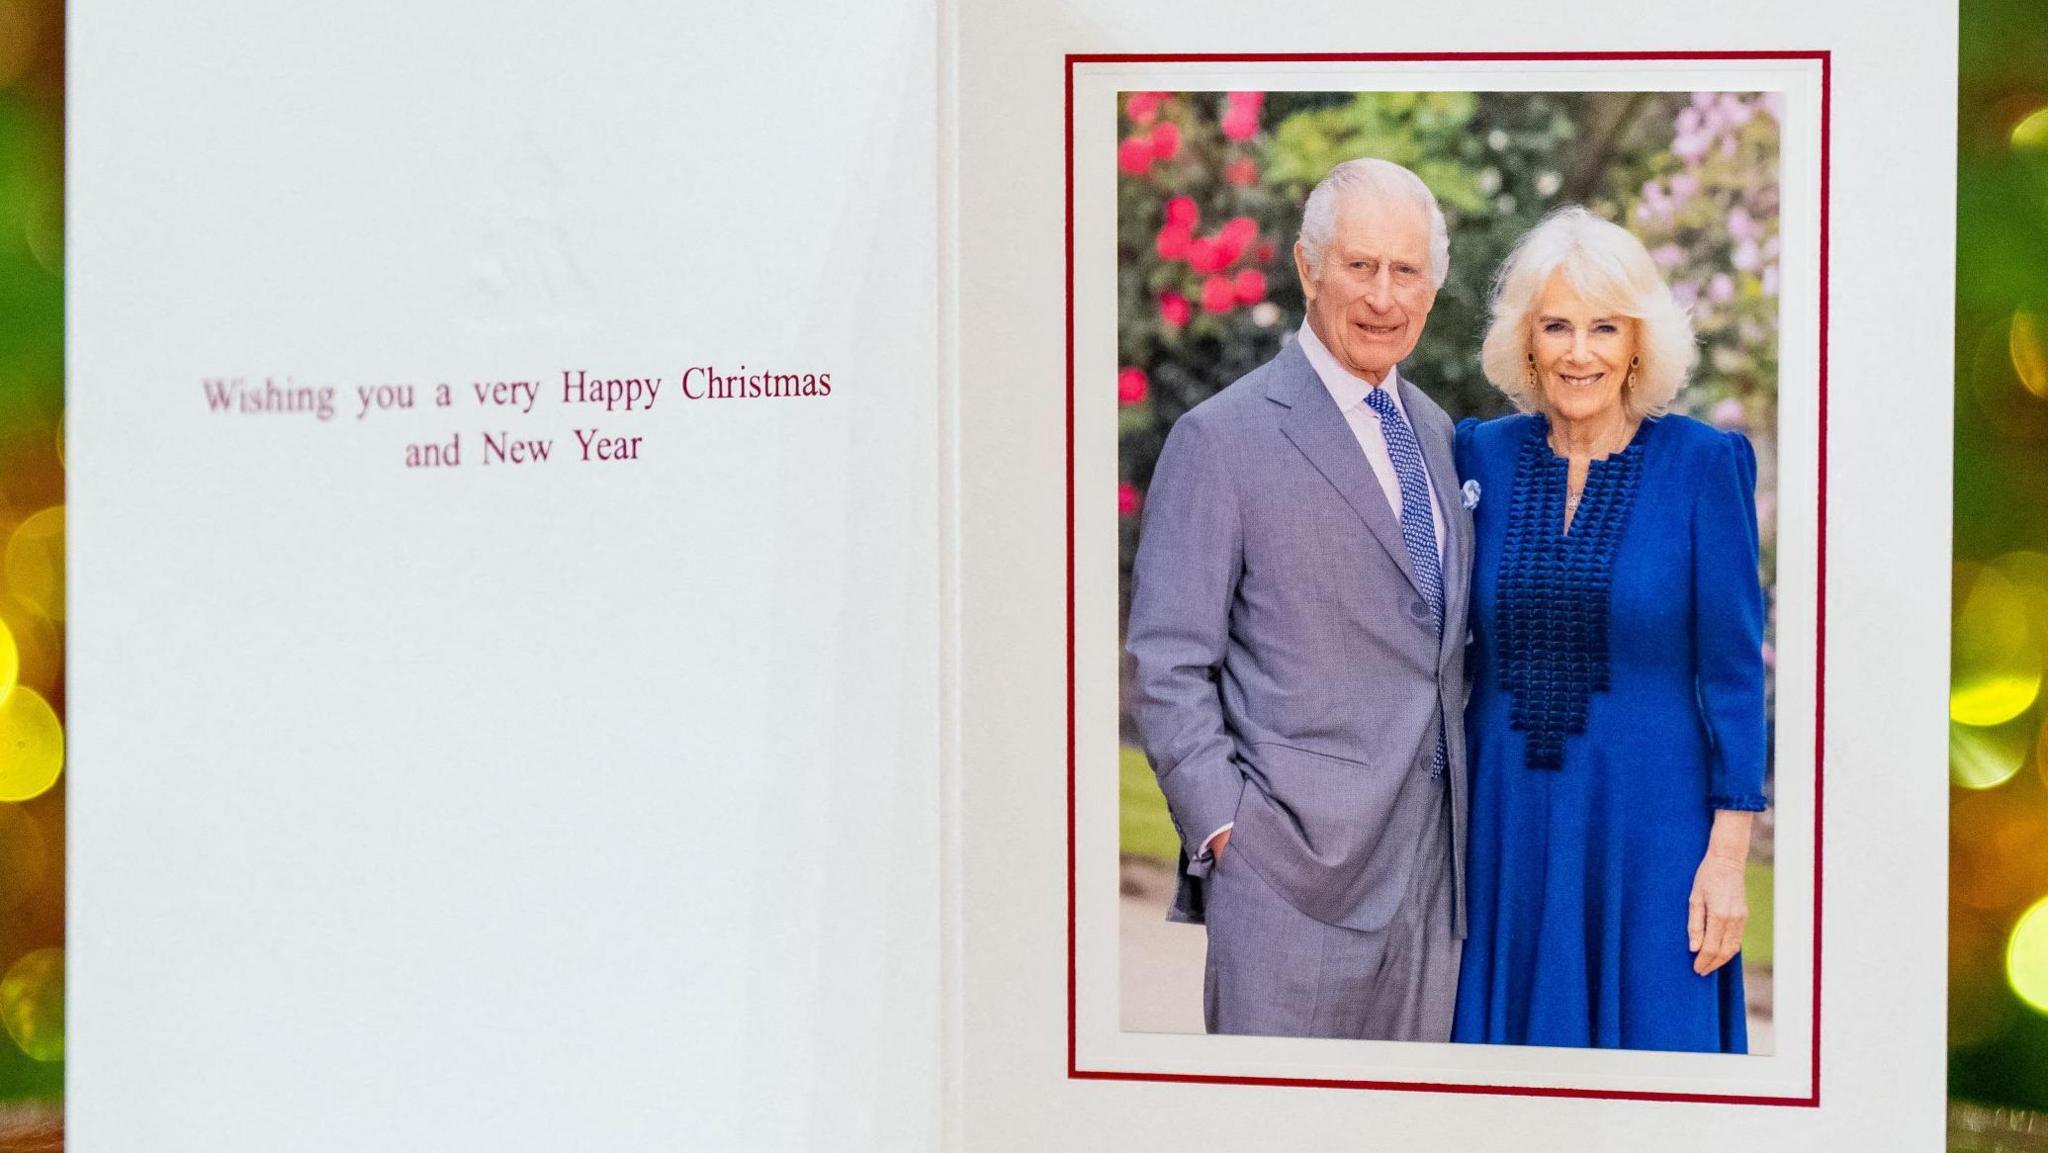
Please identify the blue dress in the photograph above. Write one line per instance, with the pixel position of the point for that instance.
(1617, 701)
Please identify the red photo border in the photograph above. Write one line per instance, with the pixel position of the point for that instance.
(1812, 1099)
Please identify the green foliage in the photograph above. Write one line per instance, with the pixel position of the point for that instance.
(1143, 828)
(1695, 176)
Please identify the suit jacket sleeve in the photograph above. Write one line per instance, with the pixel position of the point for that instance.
(1728, 622)
(1190, 556)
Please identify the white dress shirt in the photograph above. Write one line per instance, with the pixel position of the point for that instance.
(1349, 392)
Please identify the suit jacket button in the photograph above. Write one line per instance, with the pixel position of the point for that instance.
(1419, 610)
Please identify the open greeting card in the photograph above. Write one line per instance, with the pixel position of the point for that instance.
(954, 576)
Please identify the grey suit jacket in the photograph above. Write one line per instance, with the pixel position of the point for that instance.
(1288, 677)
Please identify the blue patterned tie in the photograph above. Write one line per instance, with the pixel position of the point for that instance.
(1418, 526)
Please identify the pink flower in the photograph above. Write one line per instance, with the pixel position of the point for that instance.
(1265, 254)
(1182, 210)
(1251, 286)
(1236, 236)
(1251, 100)
(1206, 254)
(1172, 242)
(1175, 310)
(1134, 156)
(1721, 289)
(1131, 386)
(1165, 140)
(1668, 256)
(1241, 173)
(1218, 294)
(1127, 501)
(1241, 123)
(1727, 413)
(1143, 107)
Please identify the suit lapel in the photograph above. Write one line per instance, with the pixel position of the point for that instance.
(1319, 430)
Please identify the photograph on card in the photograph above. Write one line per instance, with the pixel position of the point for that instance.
(1448, 474)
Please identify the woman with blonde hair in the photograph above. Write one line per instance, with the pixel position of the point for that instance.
(1616, 723)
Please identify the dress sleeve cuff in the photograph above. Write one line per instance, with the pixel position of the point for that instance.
(1740, 803)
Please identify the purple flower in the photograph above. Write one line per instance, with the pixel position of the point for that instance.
(1686, 293)
(1741, 225)
(1727, 413)
(1721, 289)
(1668, 256)
(1771, 280)
(1746, 257)
(1703, 99)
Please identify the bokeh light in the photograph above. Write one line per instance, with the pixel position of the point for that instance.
(1997, 659)
(2027, 341)
(38, 647)
(31, 745)
(2026, 957)
(10, 660)
(2031, 131)
(22, 851)
(35, 562)
(32, 1004)
(1985, 758)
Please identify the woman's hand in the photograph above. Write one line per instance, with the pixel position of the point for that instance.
(1719, 906)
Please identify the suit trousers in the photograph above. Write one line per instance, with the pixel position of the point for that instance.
(1274, 971)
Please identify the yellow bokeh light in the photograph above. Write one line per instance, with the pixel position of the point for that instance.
(2032, 132)
(2028, 342)
(32, 1004)
(1996, 670)
(10, 661)
(35, 562)
(2026, 957)
(31, 745)
(1985, 758)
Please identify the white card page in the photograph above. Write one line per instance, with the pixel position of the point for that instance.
(479, 800)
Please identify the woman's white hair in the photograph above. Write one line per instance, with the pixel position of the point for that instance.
(1608, 266)
(1379, 182)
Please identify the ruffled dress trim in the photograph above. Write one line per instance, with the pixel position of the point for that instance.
(1554, 591)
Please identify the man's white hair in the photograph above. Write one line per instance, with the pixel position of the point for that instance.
(1376, 182)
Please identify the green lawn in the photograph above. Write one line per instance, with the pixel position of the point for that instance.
(1145, 831)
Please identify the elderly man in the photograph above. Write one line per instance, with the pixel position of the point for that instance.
(1298, 627)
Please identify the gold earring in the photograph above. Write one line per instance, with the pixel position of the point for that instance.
(1529, 374)
(1630, 383)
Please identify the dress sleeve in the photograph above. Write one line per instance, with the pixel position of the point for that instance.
(1728, 623)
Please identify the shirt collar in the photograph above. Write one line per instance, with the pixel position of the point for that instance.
(1347, 390)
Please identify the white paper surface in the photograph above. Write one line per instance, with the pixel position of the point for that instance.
(548, 806)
